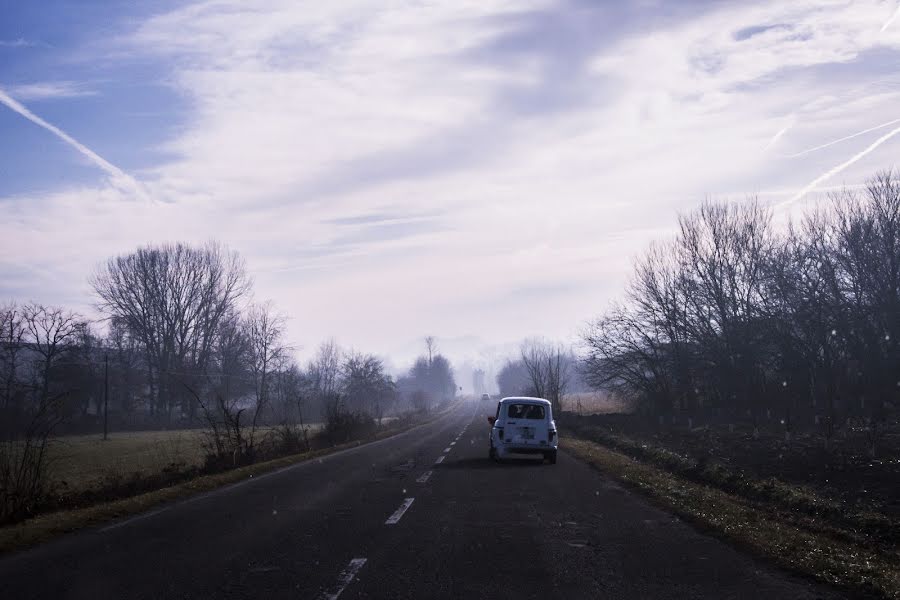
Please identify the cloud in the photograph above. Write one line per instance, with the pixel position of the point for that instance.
(117, 175)
(749, 32)
(483, 166)
(47, 90)
(16, 43)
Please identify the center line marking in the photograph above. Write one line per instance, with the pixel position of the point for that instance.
(424, 477)
(392, 520)
(453, 443)
(344, 579)
(439, 460)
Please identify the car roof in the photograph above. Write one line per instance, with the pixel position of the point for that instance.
(525, 399)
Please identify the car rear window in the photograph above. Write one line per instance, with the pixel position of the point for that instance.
(525, 411)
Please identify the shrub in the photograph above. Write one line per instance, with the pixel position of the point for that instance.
(343, 425)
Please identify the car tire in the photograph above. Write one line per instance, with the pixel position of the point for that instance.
(492, 454)
(551, 457)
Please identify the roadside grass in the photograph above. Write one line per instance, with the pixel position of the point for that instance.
(81, 463)
(793, 497)
(47, 526)
(805, 543)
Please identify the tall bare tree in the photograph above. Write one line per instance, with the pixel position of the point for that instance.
(173, 297)
(264, 332)
(325, 368)
(430, 347)
(548, 370)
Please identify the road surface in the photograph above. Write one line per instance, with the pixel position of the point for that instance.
(421, 515)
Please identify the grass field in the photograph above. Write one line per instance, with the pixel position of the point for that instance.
(84, 462)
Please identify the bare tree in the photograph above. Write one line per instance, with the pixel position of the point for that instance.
(289, 397)
(172, 297)
(325, 368)
(732, 315)
(431, 378)
(264, 331)
(250, 358)
(49, 334)
(513, 379)
(12, 333)
(723, 252)
(126, 373)
(547, 370)
(430, 347)
(366, 387)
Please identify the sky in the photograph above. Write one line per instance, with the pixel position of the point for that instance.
(481, 171)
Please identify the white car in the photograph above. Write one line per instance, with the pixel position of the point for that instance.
(523, 425)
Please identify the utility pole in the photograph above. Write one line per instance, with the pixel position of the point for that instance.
(105, 395)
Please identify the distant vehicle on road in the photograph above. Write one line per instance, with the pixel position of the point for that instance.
(523, 425)
(485, 397)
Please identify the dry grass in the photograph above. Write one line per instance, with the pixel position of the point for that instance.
(808, 545)
(594, 403)
(82, 462)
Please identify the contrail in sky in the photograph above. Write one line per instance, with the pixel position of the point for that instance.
(778, 135)
(116, 173)
(891, 20)
(844, 165)
(845, 138)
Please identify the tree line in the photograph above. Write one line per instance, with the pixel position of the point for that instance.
(735, 317)
(183, 343)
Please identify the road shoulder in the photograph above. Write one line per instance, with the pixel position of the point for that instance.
(801, 544)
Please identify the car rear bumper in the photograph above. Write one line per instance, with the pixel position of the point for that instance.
(530, 449)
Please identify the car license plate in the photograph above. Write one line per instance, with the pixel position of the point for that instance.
(527, 433)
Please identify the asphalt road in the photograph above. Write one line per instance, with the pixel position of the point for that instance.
(385, 521)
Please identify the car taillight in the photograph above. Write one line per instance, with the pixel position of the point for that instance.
(552, 435)
(500, 432)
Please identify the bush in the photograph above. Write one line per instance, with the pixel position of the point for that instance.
(343, 425)
(24, 462)
(290, 439)
(22, 477)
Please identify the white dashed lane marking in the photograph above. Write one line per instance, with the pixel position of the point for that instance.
(423, 477)
(344, 579)
(439, 460)
(394, 518)
(447, 449)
